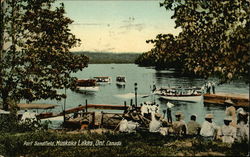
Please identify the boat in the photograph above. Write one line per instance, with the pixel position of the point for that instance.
(182, 94)
(87, 85)
(121, 80)
(102, 79)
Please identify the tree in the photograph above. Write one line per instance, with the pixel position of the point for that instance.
(215, 39)
(217, 32)
(36, 58)
(164, 54)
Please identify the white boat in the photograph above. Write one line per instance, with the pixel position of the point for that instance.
(121, 80)
(191, 94)
(87, 85)
(102, 79)
(88, 89)
(187, 98)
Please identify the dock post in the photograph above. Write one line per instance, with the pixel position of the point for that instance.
(86, 102)
(131, 102)
(136, 94)
(93, 119)
(102, 119)
(125, 105)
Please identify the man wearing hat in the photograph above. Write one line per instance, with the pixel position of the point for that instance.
(179, 126)
(193, 126)
(227, 132)
(208, 128)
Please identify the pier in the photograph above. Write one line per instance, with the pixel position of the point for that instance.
(239, 100)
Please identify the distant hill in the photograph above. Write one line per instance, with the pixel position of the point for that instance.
(109, 57)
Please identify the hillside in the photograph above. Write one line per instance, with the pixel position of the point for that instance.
(108, 57)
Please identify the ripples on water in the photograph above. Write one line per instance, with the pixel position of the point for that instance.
(144, 77)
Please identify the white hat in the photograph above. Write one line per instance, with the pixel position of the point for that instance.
(229, 101)
(241, 111)
(170, 105)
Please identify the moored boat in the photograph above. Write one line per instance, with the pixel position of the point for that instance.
(102, 79)
(181, 94)
(187, 98)
(87, 85)
(121, 80)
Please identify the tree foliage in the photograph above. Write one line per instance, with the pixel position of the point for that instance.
(35, 57)
(164, 54)
(215, 38)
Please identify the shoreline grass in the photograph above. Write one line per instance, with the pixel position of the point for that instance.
(135, 144)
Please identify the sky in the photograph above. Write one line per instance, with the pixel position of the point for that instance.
(118, 26)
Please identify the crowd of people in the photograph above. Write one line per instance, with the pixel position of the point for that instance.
(234, 129)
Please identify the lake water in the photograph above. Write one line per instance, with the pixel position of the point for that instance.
(144, 77)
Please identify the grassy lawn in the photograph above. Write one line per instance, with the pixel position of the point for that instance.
(111, 144)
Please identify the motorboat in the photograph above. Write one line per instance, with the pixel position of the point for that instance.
(89, 85)
(121, 80)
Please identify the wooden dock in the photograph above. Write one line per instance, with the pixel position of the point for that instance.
(239, 100)
(85, 108)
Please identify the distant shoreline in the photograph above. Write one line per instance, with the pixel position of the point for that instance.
(110, 57)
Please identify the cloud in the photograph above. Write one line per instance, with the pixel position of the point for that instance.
(139, 27)
(91, 24)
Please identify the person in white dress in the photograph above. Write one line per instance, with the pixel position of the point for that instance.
(227, 132)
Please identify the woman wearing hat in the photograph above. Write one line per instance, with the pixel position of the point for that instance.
(208, 128)
(231, 111)
(227, 132)
(242, 132)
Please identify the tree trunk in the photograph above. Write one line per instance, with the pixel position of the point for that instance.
(5, 100)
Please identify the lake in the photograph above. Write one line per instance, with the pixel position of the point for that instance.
(144, 77)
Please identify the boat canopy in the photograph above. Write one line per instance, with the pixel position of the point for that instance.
(86, 83)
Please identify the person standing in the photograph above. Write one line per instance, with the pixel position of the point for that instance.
(193, 127)
(169, 116)
(213, 87)
(208, 128)
(209, 87)
(227, 132)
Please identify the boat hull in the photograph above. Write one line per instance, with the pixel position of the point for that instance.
(195, 98)
(88, 89)
(121, 83)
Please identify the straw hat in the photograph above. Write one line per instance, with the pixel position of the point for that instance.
(229, 101)
(228, 119)
(209, 116)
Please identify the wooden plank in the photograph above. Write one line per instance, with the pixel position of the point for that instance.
(219, 99)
